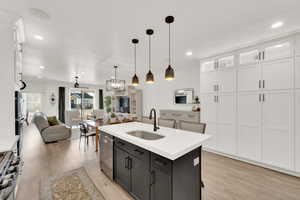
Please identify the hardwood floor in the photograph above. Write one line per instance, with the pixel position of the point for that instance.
(224, 178)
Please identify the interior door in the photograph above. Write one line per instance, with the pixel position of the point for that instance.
(207, 82)
(297, 131)
(249, 125)
(121, 172)
(249, 57)
(226, 80)
(226, 140)
(278, 74)
(276, 127)
(278, 51)
(248, 78)
(297, 72)
(209, 116)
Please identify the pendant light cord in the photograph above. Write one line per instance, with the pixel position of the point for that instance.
(134, 58)
(169, 44)
(149, 52)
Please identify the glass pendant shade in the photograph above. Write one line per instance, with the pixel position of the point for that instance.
(149, 77)
(169, 74)
(135, 80)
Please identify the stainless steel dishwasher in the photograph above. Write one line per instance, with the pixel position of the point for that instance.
(106, 154)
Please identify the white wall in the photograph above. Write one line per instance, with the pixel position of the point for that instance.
(7, 84)
(160, 95)
(47, 88)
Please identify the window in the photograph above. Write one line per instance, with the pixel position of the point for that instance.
(82, 100)
(33, 102)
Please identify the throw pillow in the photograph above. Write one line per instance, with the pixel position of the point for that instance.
(53, 121)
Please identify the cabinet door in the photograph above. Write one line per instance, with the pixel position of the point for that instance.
(249, 125)
(208, 108)
(208, 66)
(278, 74)
(249, 57)
(297, 47)
(297, 131)
(161, 185)
(226, 140)
(248, 78)
(122, 173)
(277, 125)
(297, 72)
(278, 51)
(140, 187)
(207, 82)
(226, 62)
(226, 80)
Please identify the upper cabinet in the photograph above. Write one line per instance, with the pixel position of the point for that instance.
(208, 66)
(277, 51)
(225, 62)
(249, 57)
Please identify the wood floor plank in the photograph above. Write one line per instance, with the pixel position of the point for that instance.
(224, 178)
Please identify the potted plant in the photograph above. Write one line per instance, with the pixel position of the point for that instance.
(113, 117)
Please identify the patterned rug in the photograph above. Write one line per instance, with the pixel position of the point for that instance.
(73, 185)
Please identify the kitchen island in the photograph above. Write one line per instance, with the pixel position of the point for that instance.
(161, 165)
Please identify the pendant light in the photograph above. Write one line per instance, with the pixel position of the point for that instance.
(76, 84)
(135, 79)
(149, 76)
(169, 74)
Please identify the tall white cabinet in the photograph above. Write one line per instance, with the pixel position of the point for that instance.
(249, 103)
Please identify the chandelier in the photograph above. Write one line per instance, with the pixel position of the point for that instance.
(115, 84)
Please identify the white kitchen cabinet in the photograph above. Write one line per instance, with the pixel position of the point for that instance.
(208, 82)
(225, 80)
(249, 125)
(277, 51)
(278, 74)
(297, 46)
(209, 116)
(249, 57)
(297, 72)
(277, 129)
(226, 134)
(248, 78)
(208, 108)
(225, 62)
(208, 66)
(297, 131)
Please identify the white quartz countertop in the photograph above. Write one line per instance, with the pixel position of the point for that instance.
(8, 143)
(175, 144)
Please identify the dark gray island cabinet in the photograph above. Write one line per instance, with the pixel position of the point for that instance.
(148, 176)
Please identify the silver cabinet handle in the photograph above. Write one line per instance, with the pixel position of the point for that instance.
(259, 84)
(259, 98)
(263, 85)
(259, 56)
(263, 98)
(263, 55)
(215, 98)
(218, 87)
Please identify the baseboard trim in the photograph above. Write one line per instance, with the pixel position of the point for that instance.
(278, 169)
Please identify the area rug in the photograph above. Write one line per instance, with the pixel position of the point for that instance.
(72, 185)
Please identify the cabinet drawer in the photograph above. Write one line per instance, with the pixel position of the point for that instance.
(140, 153)
(161, 163)
(123, 145)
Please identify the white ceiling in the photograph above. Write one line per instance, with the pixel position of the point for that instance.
(92, 36)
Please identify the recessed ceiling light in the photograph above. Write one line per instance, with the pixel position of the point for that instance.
(38, 37)
(277, 24)
(189, 53)
(42, 67)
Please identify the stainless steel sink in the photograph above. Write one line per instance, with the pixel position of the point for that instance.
(145, 135)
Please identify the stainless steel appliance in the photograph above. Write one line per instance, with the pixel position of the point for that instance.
(106, 154)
